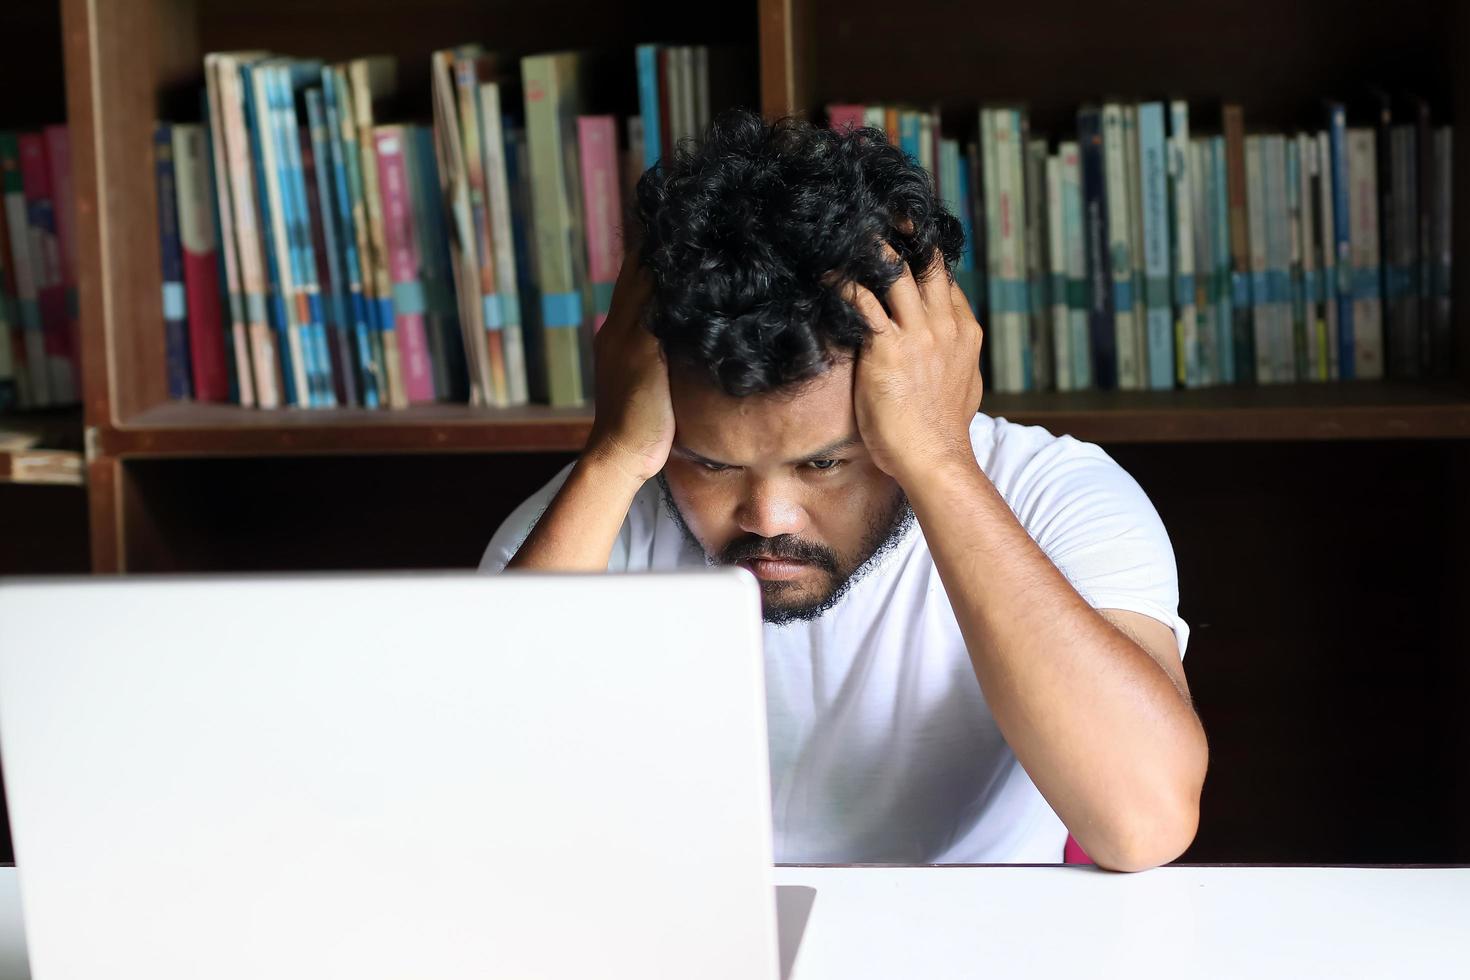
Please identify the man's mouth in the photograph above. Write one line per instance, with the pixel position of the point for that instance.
(775, 569)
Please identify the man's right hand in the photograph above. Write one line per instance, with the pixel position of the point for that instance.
(634, 424)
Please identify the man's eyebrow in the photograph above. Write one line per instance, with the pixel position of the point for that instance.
(693, 456)
(841, 445)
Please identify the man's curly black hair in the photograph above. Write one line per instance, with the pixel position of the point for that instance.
(741, 231)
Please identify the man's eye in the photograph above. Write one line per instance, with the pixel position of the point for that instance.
(824, 464)
(715, 467)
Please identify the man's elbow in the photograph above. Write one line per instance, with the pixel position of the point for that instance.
(1149, 840)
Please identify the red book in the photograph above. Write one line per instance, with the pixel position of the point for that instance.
(58, 155)
(597, 144)
(845, 117)
(403, 263)
(46, 266)
(201, 265)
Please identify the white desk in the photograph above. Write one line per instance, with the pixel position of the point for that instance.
(938, 923)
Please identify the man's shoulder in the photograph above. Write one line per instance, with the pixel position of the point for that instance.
(1010, 451)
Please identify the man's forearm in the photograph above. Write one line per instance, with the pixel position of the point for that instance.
(1101, 728)
(577, 532)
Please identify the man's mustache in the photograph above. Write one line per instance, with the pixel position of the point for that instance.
(783, 546)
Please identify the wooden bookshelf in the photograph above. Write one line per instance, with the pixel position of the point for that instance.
(1365, 479)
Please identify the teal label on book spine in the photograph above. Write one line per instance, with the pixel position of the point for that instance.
(493, 311)
(1365, 283)
(1240, 289)
(409, 298)
(561, 310)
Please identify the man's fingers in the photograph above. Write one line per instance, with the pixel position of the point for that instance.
(903, 296)
(863, 300)
(935, 287)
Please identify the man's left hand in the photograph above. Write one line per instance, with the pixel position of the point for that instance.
(917, 383)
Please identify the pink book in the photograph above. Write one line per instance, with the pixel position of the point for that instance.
(46, 265)
(403, 263)
(597, 145)
(197, 236)
(58, 154)
(845, 117)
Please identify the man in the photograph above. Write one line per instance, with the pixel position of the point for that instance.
(972, 644)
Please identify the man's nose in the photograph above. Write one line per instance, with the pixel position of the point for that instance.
(766, 510)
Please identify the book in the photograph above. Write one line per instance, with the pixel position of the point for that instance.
(1399, 244)
(1440, 258)
(597, 148)
(1278, 260)
(1314, 364)
(1200, 163)
(14, 379)
(326, 235)
(845, 117)
(46, 266)
(1181, 205)
(1096, 225)
(1342, 230)
(197, 240)
(58, 159)
(554, 97)
(436, 271)
(1005, 206)
(1034, 229)
(1121, 246)
(1135, 232)
(400, 238)
(1056, 246)
(350, 213)
(370, 81)
(1241, 264)
(1421, 148)
(517, 169)
(1223, 232)
(1158, 295)
(1327, 255)
(1367, 299)
(171, 264)
(1262, 310)
(1296, 298)
(647, 61)
(1074, 271)
(497, 190)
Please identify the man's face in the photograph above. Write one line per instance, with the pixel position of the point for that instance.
(780, 484)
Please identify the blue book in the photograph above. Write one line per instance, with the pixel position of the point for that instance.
(1157, 292)
(291, 77)
(334, 290)
(1224, 294)
(175, 306)
(275, 301)
(1102, 330)
(1342, 231)
(647, 57)
(964, 197)
(358, 308)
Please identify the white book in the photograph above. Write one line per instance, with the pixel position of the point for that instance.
(1257, 207)
(1327, 252)
(1186, 301)
(1133, 161)
(1056, 246)
(1121, 245)
(875, 116)
(990, 195)
(1363, 208)
(1074, 247)
(1008, 294)
(497, 187)
(1201, 179)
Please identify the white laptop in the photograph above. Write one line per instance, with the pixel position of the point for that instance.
(430, 776)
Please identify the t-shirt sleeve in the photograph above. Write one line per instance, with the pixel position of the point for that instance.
(514, 530)
(1100, 529)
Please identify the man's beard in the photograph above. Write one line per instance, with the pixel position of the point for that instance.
(885, 530)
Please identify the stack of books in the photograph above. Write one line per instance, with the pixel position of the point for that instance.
(1144, 255)
(316, 254)
(39, 343)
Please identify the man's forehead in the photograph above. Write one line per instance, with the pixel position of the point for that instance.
(793, 424)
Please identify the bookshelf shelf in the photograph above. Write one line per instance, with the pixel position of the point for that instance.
(1279, 414)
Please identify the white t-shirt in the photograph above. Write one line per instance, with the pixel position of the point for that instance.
(883, 749)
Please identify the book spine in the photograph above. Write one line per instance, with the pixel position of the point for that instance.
(403, 261)
(1367, 301)
(310, 307)
(1179, 187)
(994, 347)
(46, 255)
(238, 365)
(175, 307)
(1242, 301)
(467, 85)
(257, 302)
(597, 142)
(347, 202)
(197, 238)
(517, 169)
(551, 99)
(687, 93)
(1260, 298)
(1441, 259)
(276, 269)
(1327, 253)
(1073, 282)
(1223, 234)
(282, 225)
(957, 200)
(1315, 364)
(1056, 250)
(497, 190)
(1008, 296)
(1296, 346)
(700, 54)
(1158, 298)
(908, 134)
(58, 158)
(1201, 182)
(1038, 308)
(668, 121)
(368, 83)
(436, 268)
(1421, 188)
(316, 158)
(18, 223)
(647, 59)
(15, 382)
(1342, 224)
(1095, 224)
(1121, 246)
